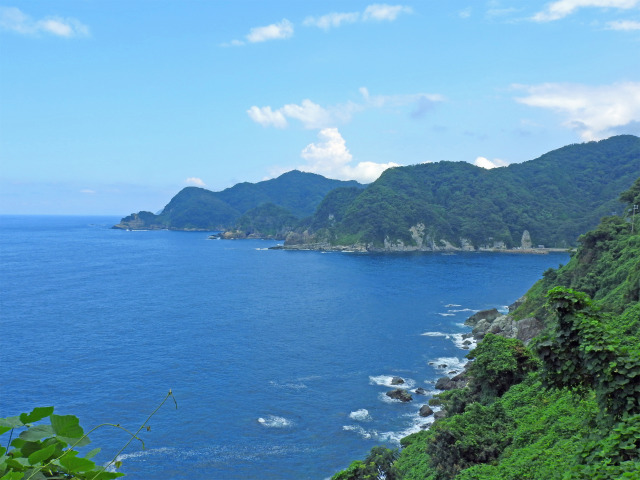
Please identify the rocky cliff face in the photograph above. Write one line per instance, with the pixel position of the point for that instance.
(491, 321)
(421, 241)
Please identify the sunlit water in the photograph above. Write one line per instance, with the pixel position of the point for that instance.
(279, 360)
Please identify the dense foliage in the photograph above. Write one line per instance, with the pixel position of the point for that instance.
(555, 198)
(45, 447)
(574, 412)
(48, 450)
(298, 193)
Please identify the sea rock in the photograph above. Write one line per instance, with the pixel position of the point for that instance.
(487, 315)
(446, 383)
(425, 411)
(400, 394)
(420, 391)
(397, 381)
(439, 414)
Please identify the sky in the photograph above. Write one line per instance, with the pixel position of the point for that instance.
(112, 107)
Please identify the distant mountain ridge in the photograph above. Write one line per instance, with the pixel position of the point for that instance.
(295, 194)
(426, 207)
(456, 205)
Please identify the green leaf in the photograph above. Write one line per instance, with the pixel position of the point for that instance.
(76, 464)
(36, 414)
(92, 453)
(66, 426)
(32, 474)
(37, 432)
(12, 476)
(11, 422)
(41, 455)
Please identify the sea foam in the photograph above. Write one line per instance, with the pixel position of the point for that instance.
(273, 421)
(361, 415)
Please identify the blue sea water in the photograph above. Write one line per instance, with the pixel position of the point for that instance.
(279, 360)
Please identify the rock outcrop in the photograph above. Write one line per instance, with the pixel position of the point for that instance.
(491, 321)
(425, 411)
(400, 394)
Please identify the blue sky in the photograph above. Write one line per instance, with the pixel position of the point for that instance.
(111, 107)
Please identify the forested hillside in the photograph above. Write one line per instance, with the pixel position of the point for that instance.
(455, 204)
(567, 406)
(295, 193)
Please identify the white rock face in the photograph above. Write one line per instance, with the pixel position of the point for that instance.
(526, 240)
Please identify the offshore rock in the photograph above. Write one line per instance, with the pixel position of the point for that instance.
(425, 411)
(420, 391)
(397, 381)
(400, 394)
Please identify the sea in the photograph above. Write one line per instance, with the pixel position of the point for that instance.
(278, 361)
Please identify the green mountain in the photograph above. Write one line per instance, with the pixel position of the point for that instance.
(457, 205)
(295, 193)
(565, 407)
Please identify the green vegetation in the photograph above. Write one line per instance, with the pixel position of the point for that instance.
(47, 450)
(267, 220)
(567, 407)
(296, 194)
(555, 197)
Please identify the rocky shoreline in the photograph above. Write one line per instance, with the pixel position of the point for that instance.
(482, 322)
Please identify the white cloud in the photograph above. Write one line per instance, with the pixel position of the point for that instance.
(267, 117)
(331, 157)
(595, 112)
(489, 164)
(314, 116)
(380, 12)
(310, 114)
(562, 8)
(374, 12)
(331, 20)
(14, 20)
(466, 13)
(275, 31)
(624, 25)
(87, 191)
(195, 181)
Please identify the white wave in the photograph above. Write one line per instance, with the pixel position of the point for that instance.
(446, 314)
(449, 305)
(367, 434)
(385, 381)
(290, 386)
(449, 364)
(458, 339)
(435, 334)
(361, 415)
(415, 424)
(164, 451)
(463, 310)
(468, 343)
(274, 421)
(261, 249)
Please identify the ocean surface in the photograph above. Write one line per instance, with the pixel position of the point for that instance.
(279, 361)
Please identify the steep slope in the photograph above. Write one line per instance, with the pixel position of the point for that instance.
(193, 208)
(568, 408)
(455, 204)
